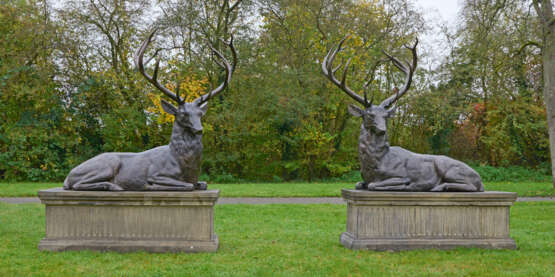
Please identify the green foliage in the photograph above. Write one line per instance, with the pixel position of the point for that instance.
(503, 121)
(512, 174)
(35, 132)
(68, 89)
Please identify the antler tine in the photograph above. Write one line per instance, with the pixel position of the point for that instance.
(399, 64)
(228, 69)
(329, 72)
(408, 69)
(154, 78)
(345, 72)
(365, 89)
(233, 52)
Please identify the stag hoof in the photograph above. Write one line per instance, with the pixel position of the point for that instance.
(371, 186)
(437, 188)
(361, 186)
(201, 186)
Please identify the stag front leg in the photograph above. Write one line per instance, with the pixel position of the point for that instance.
(201, 185)
(395, 188)
(391, 182)
(168, 184)
(455, 187)
(361, 186)
(97, 186)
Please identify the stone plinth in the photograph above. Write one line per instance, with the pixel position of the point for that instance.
(129, 221)
(417, 220)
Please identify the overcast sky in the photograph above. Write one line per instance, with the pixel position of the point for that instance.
(435, 13)
(434, 42)
(447, 9)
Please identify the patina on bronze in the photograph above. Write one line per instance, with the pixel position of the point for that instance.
(385, 168)
(173, 167)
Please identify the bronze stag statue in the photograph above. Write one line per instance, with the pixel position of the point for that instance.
(173, 167)
(391, 168)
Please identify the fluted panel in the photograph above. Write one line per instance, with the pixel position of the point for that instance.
(136, 222)
(422, 222)
(129, 221)
(405, 220)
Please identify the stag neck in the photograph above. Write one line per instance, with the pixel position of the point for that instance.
(376, 145)
(183, 142)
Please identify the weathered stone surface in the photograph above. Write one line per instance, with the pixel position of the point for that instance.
(129, 221)
(417, 220)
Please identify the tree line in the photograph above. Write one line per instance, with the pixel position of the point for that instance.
(69, 89)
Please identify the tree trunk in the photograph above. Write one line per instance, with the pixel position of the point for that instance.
(544, 9)
(548, 57)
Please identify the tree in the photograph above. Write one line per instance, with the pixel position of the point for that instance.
(104, 94)
(502, 118)
(35, 133)
(544, 9)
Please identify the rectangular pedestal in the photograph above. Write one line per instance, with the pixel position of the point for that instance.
(129, 221)
(417, 220)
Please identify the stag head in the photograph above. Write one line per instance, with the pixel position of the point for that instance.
(374, 117)
(187, 115)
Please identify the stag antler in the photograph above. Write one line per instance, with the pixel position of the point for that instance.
(329, 71)
(175, 96)
(154, 78)
(228, 70)
(408, 69)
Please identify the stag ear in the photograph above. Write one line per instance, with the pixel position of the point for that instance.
(355, 111)
(391, 111)
(204, 107)
(169, 108)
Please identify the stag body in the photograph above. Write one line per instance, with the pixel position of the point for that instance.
(170, 167)
(394, 168)
(385, 167)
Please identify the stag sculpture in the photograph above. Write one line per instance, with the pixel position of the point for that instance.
(173, 167)
(386, 168)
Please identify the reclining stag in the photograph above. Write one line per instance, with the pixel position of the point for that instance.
(175, 166)
(391, 168)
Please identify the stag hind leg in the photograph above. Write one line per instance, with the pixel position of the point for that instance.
(94, 174)
(460, 178)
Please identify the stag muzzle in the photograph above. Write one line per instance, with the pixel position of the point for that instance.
(379, 128)
(197, 131)
(196, 128)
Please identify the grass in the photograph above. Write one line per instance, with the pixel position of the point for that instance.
(282, 240)
(325, 189)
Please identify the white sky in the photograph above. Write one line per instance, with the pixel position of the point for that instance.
(446, 9)
(436, 12)
(433, 43)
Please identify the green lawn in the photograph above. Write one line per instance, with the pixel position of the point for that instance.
(281, 240)
(287, 189)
